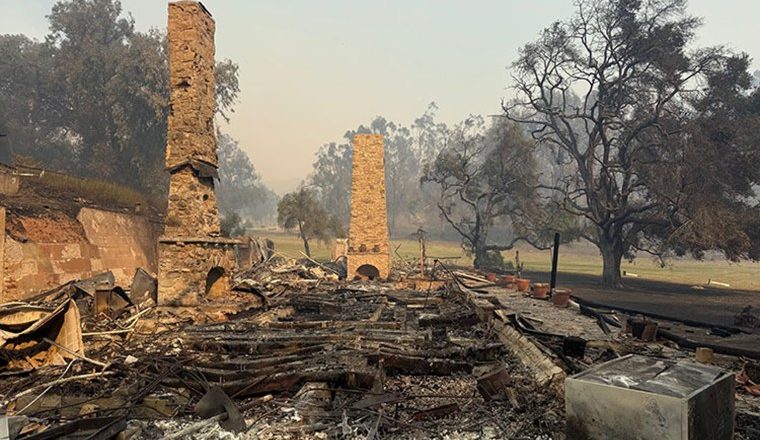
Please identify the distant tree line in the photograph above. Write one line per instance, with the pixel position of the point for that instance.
(92, 99)
(474, 181)
(406, 150)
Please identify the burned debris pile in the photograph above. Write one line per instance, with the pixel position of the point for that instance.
(277, 274)
(306, 354)
(336, 359)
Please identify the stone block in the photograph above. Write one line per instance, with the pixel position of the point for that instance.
(72, 250)
(192, 210)
(75, 265)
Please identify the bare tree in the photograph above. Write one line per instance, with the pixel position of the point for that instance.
(628, 63)
(485, 176)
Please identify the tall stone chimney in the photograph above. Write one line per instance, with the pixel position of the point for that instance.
(368, 244)
(194, 261)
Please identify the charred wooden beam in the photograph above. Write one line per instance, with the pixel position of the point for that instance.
(395, 363)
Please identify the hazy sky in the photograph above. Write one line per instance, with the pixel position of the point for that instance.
(312, 69)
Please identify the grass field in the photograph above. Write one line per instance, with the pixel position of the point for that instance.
(575, 258)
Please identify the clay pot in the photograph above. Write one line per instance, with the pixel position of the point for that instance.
(491, 277)
(561, 297)
(540, 290)
(493, 385)
(507, 281)
(523, 284)
(644, 330)
(650, 332)
(704, 355)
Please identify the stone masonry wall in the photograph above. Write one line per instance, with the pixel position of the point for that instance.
(192, 207)
(191, 252)
(186, 284)
(368, 241)
(192, 84)
(110, 241)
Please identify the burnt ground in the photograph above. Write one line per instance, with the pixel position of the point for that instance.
(342, 360)
(680, 302)
(39, 194)
(326, 359)
(46, 206)
(715, 306)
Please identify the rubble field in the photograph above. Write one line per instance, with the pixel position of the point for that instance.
(294, 351)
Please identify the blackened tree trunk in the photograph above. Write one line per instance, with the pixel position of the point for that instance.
(480, 251)
(612, 255)
(306, 246)
(305, 239)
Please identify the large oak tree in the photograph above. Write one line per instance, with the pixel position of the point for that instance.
(617, 90)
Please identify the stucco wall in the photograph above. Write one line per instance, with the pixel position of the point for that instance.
(95, 242)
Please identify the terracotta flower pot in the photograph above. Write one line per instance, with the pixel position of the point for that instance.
(507, 281)
(491, 277)
(650, 332)
(540, 290)
(523, 284)
(561, 297)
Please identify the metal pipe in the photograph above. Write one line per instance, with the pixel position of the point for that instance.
(555, 258)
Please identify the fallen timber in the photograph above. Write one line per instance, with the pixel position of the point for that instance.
(355, 342)
(360, 358)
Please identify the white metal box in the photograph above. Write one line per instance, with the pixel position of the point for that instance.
(640, 398)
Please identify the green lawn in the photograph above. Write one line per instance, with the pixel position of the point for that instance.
(576, 258)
